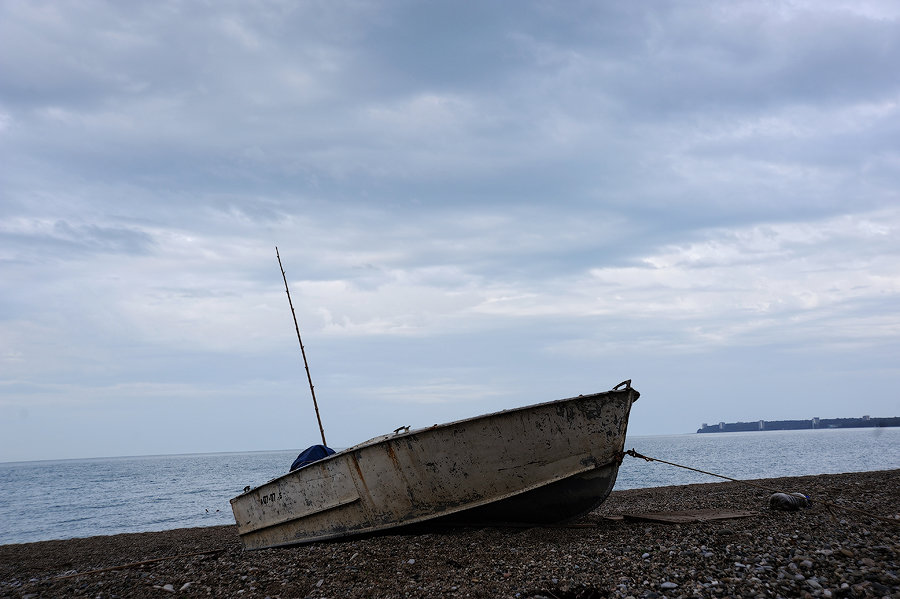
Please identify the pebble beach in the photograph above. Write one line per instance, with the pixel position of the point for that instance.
(823, 551)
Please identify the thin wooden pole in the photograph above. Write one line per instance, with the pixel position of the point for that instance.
(312, 389)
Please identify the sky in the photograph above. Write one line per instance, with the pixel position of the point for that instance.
(478, 206)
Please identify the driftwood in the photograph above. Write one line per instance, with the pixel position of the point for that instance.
(143, 563)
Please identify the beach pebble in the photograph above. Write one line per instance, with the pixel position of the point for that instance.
(724, 532)
(668, 585)
(770, 554)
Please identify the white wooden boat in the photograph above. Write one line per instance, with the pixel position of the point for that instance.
(543, 463)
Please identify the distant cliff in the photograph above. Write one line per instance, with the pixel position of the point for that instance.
(794, 425)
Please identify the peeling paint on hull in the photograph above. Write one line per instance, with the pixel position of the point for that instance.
(544, 463)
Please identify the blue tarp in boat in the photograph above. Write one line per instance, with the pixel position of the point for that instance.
(310, 455)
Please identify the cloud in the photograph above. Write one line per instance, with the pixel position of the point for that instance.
(503, 198)
(39, 236)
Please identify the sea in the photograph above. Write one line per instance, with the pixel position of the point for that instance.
(61, 499)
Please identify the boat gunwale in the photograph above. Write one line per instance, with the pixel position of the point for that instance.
(387, 437)
(430, 517)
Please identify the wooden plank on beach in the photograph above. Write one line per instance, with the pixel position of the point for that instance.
(683, 517)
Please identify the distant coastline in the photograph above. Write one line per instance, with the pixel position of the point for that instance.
(795, 425)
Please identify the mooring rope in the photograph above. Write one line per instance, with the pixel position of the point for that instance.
(635, 454)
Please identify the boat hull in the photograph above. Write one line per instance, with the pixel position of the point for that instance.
(544, 463)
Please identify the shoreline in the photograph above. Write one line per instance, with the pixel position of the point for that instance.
(815, 552)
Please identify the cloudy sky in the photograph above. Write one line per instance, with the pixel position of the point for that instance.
(478, 205)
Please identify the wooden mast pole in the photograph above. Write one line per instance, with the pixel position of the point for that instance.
(312, 389)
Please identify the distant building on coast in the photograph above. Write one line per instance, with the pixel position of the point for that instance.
(794, 425)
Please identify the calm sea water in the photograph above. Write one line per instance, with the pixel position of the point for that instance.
(79, 498)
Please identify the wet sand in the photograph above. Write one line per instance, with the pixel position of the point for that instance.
(819, 552)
